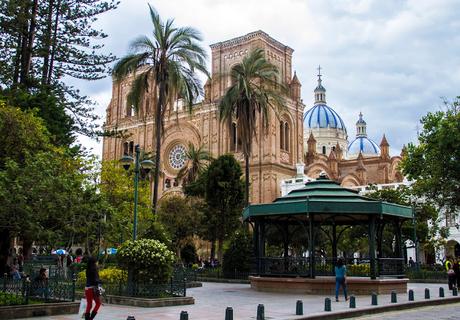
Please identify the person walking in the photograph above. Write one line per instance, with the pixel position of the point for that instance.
(92, 289)
(456, 268)
(451, 277)
(340, 279)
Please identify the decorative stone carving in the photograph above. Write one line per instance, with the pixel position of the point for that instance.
(285, 157)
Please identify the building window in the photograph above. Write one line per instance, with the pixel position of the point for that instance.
(333, 148)
(125, 148)
(131, 148)
(147, 106)
(167, 183)
(177, 157)
(281, 135)
(284, 136)
(324, 149)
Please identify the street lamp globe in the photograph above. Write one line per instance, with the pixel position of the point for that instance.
(126, 161)
(147, 165)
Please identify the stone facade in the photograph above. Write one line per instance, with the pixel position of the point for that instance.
(276, 149)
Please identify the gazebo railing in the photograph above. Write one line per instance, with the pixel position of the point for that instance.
(392, 267)
(284, 266)
(358, 267)
(324, 266)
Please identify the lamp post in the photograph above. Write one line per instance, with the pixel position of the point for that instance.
(414, 224)
(147, 165)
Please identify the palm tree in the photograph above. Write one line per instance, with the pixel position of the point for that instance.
(254, 90)
(167, 65)
(198, 159)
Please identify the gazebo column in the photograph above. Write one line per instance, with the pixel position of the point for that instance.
(311, 245)
(399, 247)
(372, 247)
(256, 236)
(261, 246)
(334, 245)
(286, 246)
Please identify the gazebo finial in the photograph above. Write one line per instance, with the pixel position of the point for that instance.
(323, 175)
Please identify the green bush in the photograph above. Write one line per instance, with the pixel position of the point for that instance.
(148, 258)
(237, 258)
(359, 269)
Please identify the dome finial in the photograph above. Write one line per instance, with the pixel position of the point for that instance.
(320, 91)
(361, 126)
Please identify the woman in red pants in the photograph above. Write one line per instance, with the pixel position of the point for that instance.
(91, 289)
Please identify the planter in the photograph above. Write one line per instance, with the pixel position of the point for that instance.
(39, 310)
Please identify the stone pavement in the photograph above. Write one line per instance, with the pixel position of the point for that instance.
(212, 299)
(444, 312)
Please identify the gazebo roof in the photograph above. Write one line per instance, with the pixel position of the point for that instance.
(326, 199)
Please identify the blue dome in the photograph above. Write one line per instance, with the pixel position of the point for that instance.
(364, 145)
(322, 116)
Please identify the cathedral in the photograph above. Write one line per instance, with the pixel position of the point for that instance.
(315, 136)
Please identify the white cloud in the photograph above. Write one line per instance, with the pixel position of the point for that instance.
(391, 59)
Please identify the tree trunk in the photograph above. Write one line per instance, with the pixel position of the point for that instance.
(213, 249)
(159, 109)
(27, 248)
(24, 28)
(220, 251)
(246, 173)
(30, 40)
(47, 49)
(17, 61)
(5, 243)
(54, 43)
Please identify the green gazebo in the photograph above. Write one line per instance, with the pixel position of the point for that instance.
(325, 203)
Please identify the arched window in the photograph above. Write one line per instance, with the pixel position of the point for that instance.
(281, 135)
(125, 148)
(286, 136)
(333, 148)
(147, 106)
(233, 138)
(324, 149)
(131, 148)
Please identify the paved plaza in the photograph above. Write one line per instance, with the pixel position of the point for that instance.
(212, 299)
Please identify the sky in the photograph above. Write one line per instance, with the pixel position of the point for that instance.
(392, 60)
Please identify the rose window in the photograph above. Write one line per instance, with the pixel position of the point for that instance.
(177, 157)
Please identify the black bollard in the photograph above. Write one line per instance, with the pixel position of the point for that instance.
(184, 315)
(374, 299)
(455, 292)
(352, 302)
(130, 318)
(299, 308)
(394, 297)
(411, 295)
(260, 312)
(229, 313)
(427, 293)
(441, 292)
(327, 304)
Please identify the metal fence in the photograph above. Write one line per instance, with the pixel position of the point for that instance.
(147, 289)
(25, 291)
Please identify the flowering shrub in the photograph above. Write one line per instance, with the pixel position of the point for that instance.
(148, 257)
(359, 269)
(108, 275)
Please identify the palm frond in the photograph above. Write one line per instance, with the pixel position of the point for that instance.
(128, 64)
(139, 86)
